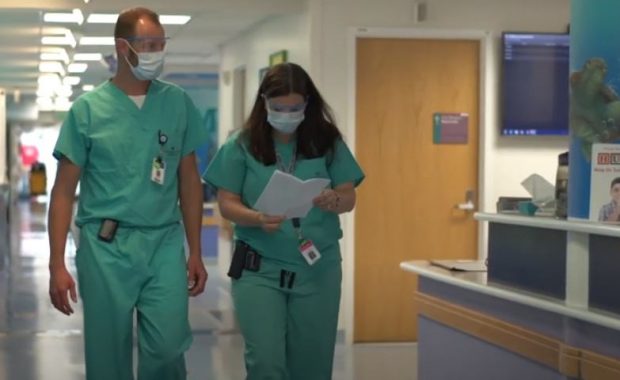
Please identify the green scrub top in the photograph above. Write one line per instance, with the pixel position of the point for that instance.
(235, 169)
(114, 143)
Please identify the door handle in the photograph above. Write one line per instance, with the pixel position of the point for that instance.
(469, 204)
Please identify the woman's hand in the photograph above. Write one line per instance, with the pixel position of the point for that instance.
(328, 200)
(269, 223)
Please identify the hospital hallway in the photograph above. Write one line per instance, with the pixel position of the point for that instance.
(39, 343)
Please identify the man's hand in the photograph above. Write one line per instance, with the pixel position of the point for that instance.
(62, 283)
(196, 275)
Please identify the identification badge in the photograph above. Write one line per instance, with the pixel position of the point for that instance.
(309, 251)
(158, 171)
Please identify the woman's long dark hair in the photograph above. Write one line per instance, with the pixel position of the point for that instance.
(316, 135)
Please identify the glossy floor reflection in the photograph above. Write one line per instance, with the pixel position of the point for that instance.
(38, 343)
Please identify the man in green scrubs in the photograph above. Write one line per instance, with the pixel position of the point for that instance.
(287, 308)
(130, 143)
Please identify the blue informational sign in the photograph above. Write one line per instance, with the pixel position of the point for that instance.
(594, 84)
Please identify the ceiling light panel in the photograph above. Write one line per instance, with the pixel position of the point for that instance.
(75, 17)
(67, 40)
(110, 18)
(58, 55)
(97, 41)
(87, 57)
(174, 19)
(77, 67)
(71, 81)
(102, 18)
(51, 67)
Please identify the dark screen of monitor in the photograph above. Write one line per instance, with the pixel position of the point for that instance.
(535, 79)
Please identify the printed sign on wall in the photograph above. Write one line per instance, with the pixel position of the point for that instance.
(450, 128)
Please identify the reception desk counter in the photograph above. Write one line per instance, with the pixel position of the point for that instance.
(548, 307)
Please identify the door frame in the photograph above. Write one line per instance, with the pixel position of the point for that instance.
(485, 117)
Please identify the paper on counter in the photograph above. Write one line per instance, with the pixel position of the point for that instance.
(461, 265)
(541, 190)
(287, 195)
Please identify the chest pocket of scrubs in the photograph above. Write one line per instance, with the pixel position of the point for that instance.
(313, 168)
(109, 151)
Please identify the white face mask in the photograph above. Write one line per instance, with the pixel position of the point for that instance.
(150, 65)
(285, 122)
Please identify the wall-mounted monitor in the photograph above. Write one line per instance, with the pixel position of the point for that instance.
(534, 84)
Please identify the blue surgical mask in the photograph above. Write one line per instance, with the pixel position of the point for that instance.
(285, 122)
(150, 65)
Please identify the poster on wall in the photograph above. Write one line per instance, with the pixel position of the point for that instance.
(605, 183)
(594, 103)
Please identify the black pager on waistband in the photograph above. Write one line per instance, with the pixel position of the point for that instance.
(107, 230)
(244, 257)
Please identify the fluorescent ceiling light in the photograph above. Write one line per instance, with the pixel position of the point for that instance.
(45, 92)
(67, 39)
(50, 80)
(64, 91)
(71, 81)
(74, 17)
(48, 83)
(98, 41)
(102, 18)
(58, 55)
(174, 19)
(51, 67)
(45, 103)
(62, 104)
(87, 57)
(88, 87)
(110, 18)
(53, 40)
(77, 67)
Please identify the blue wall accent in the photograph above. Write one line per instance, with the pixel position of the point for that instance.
(594, 34)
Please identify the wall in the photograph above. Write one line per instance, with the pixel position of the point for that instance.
(251, 51)
(505, 161)
(508, 159)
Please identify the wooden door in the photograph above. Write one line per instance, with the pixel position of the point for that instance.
(406, 206)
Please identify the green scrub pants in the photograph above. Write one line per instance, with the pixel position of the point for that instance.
(142, 269)
(289, 333)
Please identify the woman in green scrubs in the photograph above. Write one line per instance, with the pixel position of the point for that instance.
(288, 294)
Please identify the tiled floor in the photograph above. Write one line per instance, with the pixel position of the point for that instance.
(38, 343)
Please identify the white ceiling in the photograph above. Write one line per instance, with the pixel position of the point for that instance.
(193, 47)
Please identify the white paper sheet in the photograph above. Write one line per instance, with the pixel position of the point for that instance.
(541, 190)
(288, 195)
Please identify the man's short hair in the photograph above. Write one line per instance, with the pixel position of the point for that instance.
(127, 20)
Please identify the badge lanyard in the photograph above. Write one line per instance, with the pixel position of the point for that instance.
(289, 169)
(306, 247)
(158, 170)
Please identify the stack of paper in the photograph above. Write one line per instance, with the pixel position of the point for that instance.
(287, 195)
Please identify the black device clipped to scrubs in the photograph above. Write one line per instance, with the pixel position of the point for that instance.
(107, 230)
(244, 257)
(162, 138)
